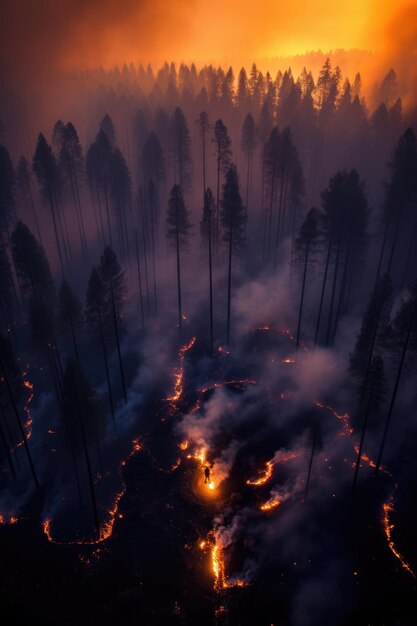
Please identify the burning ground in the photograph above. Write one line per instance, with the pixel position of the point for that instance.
(253, 544)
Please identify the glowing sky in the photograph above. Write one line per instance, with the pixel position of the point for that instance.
(42, 37)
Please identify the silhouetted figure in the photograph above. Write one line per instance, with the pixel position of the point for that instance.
(206, 475)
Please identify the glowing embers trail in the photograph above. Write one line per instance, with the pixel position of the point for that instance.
(106, 529)
(264, 475)
(270, 505)
(221, 581)
(178, 390)
(388, 509)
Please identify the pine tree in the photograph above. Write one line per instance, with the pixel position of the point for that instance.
(305, 247)
(223, 153)
(233, 220)
(178, 220)
(207, 229)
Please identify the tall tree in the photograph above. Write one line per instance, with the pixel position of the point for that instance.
(223, 153)
(306, 246)
(70, 313)
(95, 306)
(207, 229)
(7, 193)
(233, 219)
(114, 284)
(248, 145)
(178, 221)
(204, 127)
(181, 150)
(24, 182)
(47, 172)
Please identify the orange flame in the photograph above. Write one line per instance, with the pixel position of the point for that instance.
(264, 477)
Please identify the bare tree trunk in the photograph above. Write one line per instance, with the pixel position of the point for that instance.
(300, 313)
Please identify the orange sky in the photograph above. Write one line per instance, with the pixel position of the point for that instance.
(42, 36)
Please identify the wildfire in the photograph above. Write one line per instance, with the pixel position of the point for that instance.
(218, 565)
(106, 529)
(271, 504)
(179, 374)
(288, 361)
(6, 519)
(244, 381)
(264, 475)
(388, 508)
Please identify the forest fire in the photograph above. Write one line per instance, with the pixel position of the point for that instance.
(221, 581)
(106, 528)
(272, 199)
(388, 509)
(264, 475)
(270, 505)
(179, 374)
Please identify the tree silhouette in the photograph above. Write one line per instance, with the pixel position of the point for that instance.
(223, 152)
(70, 312)
(207, 229)
(204, 127)
(181, 150)
(24, 182)
(178, 221)
(113, 281)
(233, 223)
(248, 145)
(47, 173)
(9, 372)
(95, 307)
(7, 193)
(71, 163)
(305, 247)
(83, 420)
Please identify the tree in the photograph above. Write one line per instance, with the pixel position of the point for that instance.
(8, 372)
(113, 280)
(400, 194)
(181, 150)
(31, 265)
(233, 220)
(346, 213)
(70, 312)
(24, 183)
(47, 172)
(405, 328)
(223, 152)
(207, 228)
(248, 145)
(7, 193)
(94, 309)
(71, 163)
(204, 127)
(305, 246)
(7, 293)
(98, 165)
(373, 328)
(83, 420)
(120, 188)
(372, 395)
(178, 220)
(106, 125)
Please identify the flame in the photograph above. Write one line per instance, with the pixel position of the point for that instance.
(106, 529)
(271, 504)
(218, 566)
(244, 381)
(264, 477)
(179, 375)
(288, 361)
(388, 508)
(183, 445)
(7, 519)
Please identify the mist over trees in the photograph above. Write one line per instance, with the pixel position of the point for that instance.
(194, 210)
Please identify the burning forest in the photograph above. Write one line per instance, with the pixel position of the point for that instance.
(208, 314)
